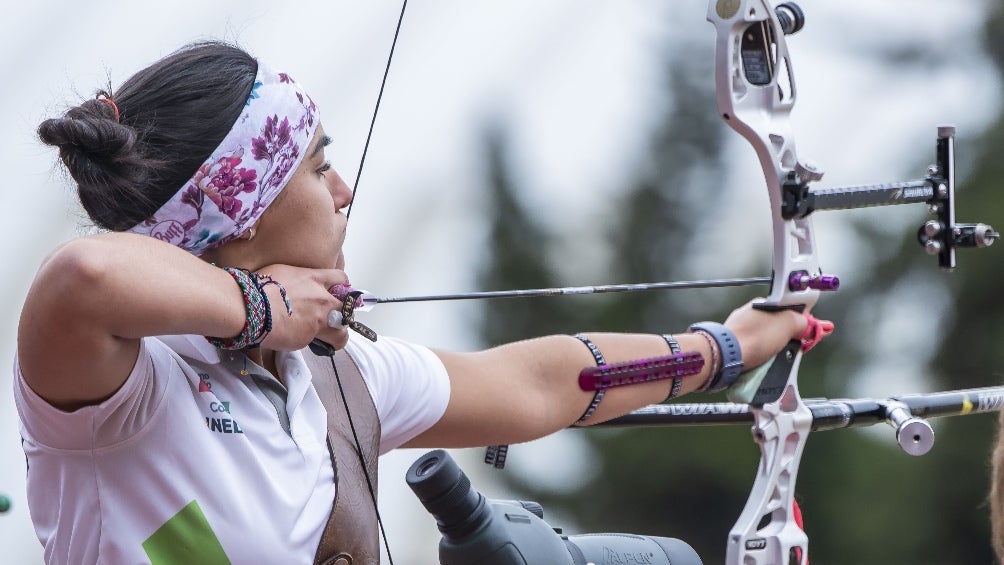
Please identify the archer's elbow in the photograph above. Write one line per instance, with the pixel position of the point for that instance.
(68, 281)
(78, 266)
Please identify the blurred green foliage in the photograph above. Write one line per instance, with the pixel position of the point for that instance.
(865, 501)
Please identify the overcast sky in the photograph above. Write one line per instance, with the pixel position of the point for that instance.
(577, 82)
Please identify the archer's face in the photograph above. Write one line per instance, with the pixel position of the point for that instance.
(305, 226)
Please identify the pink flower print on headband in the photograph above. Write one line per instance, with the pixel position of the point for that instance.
(278, 148)
(244, 173)
(223, 180)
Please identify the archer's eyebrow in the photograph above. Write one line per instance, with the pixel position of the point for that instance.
(321, 144)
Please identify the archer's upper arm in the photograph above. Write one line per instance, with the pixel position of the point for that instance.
(65, 353)
(95, 297)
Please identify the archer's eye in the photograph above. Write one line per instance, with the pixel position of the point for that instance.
(324, 168)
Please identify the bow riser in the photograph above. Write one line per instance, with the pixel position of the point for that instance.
(756, 93)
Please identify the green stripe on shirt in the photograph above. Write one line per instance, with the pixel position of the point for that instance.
(186, 538)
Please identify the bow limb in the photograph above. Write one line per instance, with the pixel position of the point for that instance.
(756, 92)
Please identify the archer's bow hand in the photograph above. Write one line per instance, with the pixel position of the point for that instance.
(763, 334)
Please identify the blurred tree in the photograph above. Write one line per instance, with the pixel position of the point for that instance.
(865, 501)
(890, 508)
(519, 258)
(651, 225)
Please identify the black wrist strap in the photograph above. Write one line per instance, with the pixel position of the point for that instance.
(732, 355)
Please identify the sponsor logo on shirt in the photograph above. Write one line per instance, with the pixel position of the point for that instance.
(219, 421)
(223, 426)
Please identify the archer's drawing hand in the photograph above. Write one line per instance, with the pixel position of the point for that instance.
(310, 301)
(763, 334)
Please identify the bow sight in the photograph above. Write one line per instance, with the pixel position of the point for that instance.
(941, 236)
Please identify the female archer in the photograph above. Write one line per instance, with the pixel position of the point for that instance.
(170, 408)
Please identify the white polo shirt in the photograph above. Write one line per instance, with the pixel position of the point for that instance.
(181, 467)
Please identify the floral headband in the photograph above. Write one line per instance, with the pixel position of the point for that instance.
(245, 173)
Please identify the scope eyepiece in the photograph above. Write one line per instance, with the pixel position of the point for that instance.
(446, 493)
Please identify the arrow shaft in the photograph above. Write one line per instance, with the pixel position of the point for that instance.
(598, 289)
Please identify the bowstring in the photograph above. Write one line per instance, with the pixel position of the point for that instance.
(355, 188)
(376, 109)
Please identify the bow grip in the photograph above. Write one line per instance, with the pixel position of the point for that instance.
(778, 372)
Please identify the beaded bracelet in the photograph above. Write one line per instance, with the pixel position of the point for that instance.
(258, 323)
(714, 360)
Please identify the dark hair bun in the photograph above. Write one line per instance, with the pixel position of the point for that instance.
(100, 154)
(131, 152)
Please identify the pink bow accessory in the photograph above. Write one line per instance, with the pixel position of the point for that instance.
(814, 332)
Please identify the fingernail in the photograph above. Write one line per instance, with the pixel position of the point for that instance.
(335, 319)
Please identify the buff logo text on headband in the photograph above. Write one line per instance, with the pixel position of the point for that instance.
(245, 173)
